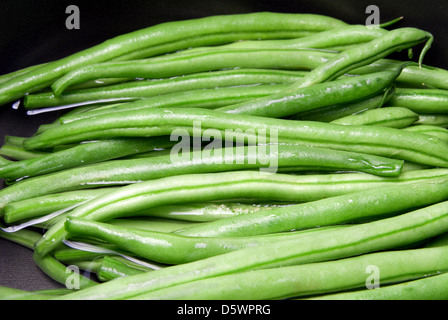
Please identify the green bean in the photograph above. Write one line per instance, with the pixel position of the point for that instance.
(427, 288)
(330, 113)
(363, 54)
(440, 240)
(19, 153)
(135, 90)
(207, 211)
(4, 161)
(112, 268)
(80, 155)
(349, 208)
(347, 242)
(433, 119)
(58, 272)
(201, 98)
(151, 223)
(218, 186)
(394, 117)
(89, 266)
(313, 278)
(265, 158)
(342, 36)
(436, 131)
(11, 75)
(187, 64)
(69, 255)
(166, 248)
(13, 149)
(347, 60)
(388, 142)
(421, 100)
(7, 293)
(410, 166)
(24, 237)
(295, 100)
(414, 76)
(232, 27)
(48, 203)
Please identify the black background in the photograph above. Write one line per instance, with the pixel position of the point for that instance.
(33, 32)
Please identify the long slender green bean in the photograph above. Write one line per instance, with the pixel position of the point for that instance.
(312, 278)
(294, 100)
(330, 113)
(263, 24)
(221, 186)
(355, 240)
(349, 208)
(7, 293)
(58, 272)
(440, 240)
(427, 288)
(388, 142)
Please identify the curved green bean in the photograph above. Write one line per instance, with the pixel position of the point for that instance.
(264, 24)
(355, 240)
(218, 186)
(427, 288)
(388, 142)
(294, 100)
(394, 117)
(349, 208)
(184, 64)
(312, 278)
(433, 119)
(58, 272)
(421, 100)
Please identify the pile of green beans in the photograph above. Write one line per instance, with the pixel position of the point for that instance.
(250, 156)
